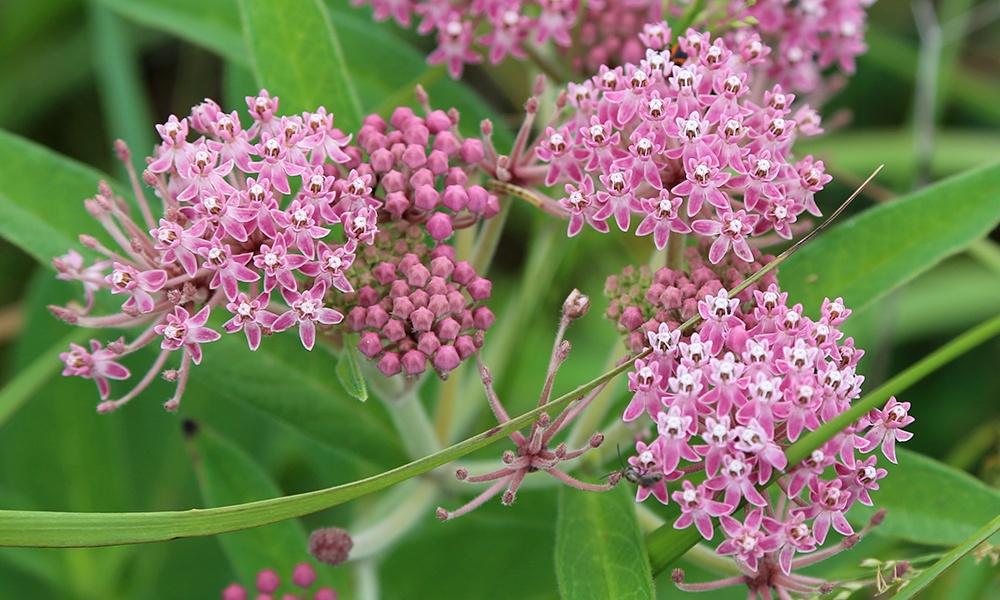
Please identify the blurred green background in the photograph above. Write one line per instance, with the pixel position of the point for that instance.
(76, 75)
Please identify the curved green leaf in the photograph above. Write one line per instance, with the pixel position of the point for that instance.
(41, 198)
(599, 548)
(71, 530)
(951, 504)
(879, 250)
(295, 53)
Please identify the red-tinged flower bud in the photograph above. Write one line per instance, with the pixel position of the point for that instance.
(465, 346)
(446, 359)
(428, 343)
(330, 545)
(479, 199)
(463, 273)
(480, 288)
(456, 176)
(377, 317)
(399, 289)
(461, 474)
(472, 151)
(384, 273)
(438, 304)
(447, 329)
(439, 226)
(437, 162)
(455, 198)
(420, 298)
(482, 318)
(437, 121)
(393, 181)
(367, 296)
(631, 318)
(414, 362)
(421, 178)
(465, 320)
(442, 266)
(409, 259)
(426, 197)
(370, 344)
(401, 116)
(394, 330)
(268, 581)
(382, 161)
(437, 286)
(235, 591)
(414, 156)
(417, 275)
(422, 319)
(389, 364)
(304, 575)
(396, 203)
(402, 307)
(456, 302)
(446, 143)
(416, 132)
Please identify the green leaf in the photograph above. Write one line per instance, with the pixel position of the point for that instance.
(41, 198)
(929, 502)
(599, 548)
(349, 373)
(69, 530)
(282, 380)
(227, 475)
(295, 53)
(879, 250)
(212, 24)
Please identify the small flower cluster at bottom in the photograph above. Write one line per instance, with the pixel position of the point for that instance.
(268, 582)
(728, 400)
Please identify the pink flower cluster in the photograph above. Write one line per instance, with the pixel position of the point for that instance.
(641, 301)
(268, 582)
(810, 35)
(415, 307)
(728, 399)
(265, 222)
(686, 146)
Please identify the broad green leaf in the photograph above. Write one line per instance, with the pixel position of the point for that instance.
(41, 198)
(295, 52)
(879, 250)
(928, 502)
(349, 373)
(227, 475)
(285, 381)
(213, 24)
(858, 150)
(480, 551)
(599, 549)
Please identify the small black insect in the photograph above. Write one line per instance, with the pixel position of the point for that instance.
(643, 478)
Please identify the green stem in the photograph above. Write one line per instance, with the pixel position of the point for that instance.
(543, 259)
(45, 529)
(665, 545)
(920, 582)
(407, 413)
